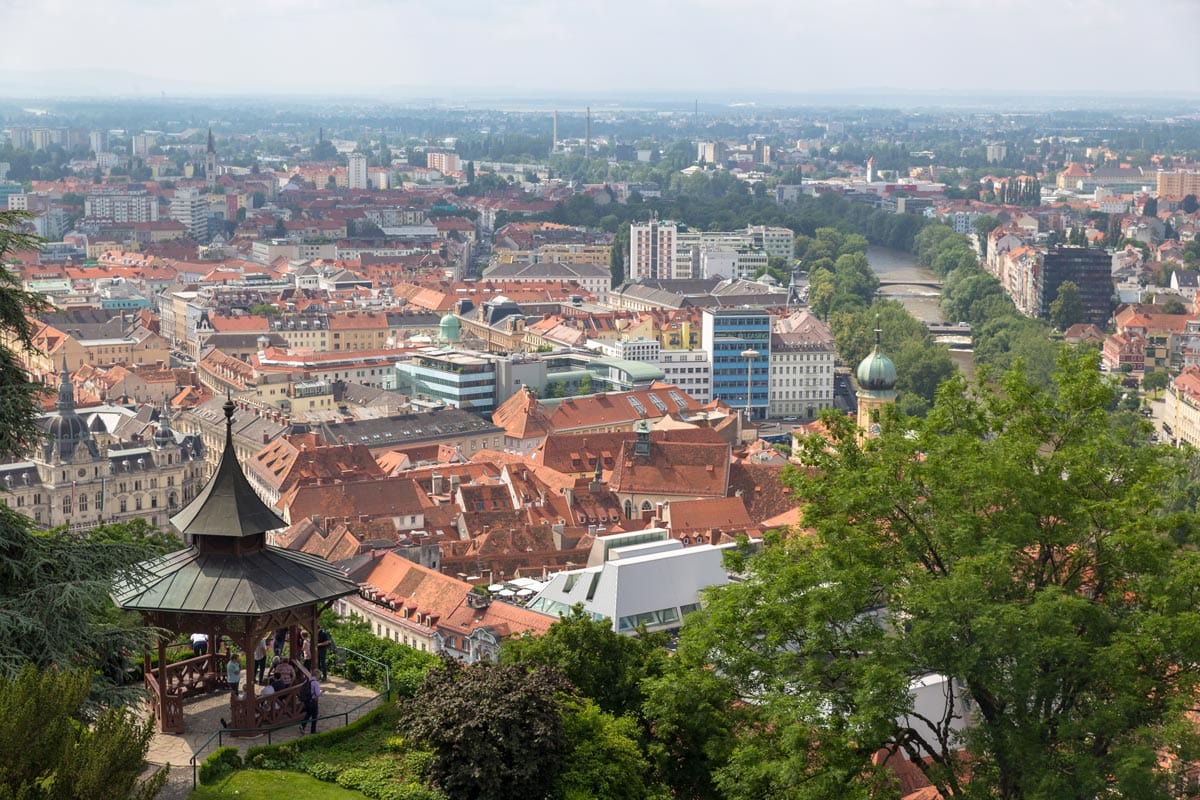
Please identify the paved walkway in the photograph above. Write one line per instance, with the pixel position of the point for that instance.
(202, 718)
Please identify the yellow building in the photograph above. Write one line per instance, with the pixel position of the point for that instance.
(876, 376)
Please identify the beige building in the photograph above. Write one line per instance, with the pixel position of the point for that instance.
(1178, 184)
(84, 474)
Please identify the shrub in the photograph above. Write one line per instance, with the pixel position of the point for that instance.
(322, 771)
(223, 761)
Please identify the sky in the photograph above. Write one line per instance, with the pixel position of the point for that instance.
(741, 49)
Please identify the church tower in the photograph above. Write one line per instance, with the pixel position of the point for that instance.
(876, 388)
(210, 162)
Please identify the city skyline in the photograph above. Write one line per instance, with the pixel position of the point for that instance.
(477, 50)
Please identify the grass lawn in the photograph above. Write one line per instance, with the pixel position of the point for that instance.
(255, 784)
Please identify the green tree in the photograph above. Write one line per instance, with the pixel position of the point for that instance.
(603, 665)
(1190, 204)
(21, 405)
(1018, 550)
(1066, 308)
(1174, 306)
(50, 754)
(983, 225)
(1155, 381)
(693, 715)
(604, 758)
(496, 730)
(265, 310)
(1150, 208)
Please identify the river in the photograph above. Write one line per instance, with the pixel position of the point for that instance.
(921, 301)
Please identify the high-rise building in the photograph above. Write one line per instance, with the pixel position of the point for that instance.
(98, 141)
(191, 208)
(652, 250)
(710, 152)
(1088, 268)
(737, 342)
(996, 152)
(142, 142)
(443, 162)
(356, 171)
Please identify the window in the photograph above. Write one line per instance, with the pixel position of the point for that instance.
(66, 504)
(83, 502)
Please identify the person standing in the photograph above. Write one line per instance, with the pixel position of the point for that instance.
(325, 646)
(306, 651)
(260, 660)
(280, 638)
(310, 695)
(233, 674)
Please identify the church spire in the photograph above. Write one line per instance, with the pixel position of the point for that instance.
(66, 392)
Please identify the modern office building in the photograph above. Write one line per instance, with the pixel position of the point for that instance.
(1090, 269)
(737, 342)
(459, 379)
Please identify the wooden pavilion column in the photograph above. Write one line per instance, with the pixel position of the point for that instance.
(162, 682)
(312, 639)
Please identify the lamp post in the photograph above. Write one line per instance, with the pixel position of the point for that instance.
(749, 354)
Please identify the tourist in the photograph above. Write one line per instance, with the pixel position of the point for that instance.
(260, 660)
(199, 644)
(286, 672)
(233, 674)
(310, 695)
(306, 651)
(325, 645)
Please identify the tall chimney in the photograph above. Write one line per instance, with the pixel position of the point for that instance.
(554, 135)
(587, 139)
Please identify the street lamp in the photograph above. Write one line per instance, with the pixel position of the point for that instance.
(749, 354)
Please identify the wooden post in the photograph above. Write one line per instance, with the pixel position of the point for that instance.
(162, 682)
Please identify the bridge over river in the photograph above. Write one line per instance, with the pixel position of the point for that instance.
(918, 289)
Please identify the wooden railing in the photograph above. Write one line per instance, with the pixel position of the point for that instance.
(169, 710)
(274, 709)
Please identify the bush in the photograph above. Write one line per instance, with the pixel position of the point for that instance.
(407, 665)
(322, 771)
(223, 761)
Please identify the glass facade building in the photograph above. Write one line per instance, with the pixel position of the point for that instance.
(727, 333)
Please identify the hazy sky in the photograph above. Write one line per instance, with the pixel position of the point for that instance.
(422, 47)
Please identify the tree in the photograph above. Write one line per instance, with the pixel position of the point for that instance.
(49, 754)
(1019, 552)
(1150, 208)
(1174, 306)
(496, 731)
(265, 310)
(604, 759)
(603, 665)
(983, 225)
(20, 406)
(1155, 381)
(1190, 204)
(1066, 308)
(692, 714)
(470, 175)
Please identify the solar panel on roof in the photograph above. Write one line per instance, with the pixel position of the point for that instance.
(661, 405)
(637, 405)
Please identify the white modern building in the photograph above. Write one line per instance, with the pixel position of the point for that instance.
(639, 579)
(661, 250)
(356, 171)
(690, 370)
(191, 208)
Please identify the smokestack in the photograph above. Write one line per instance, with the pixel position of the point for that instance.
(587, 140)
(554, 135)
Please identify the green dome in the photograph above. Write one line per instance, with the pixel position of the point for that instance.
(449, 328)
(876, 372)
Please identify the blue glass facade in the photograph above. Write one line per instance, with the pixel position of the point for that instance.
(727, 334)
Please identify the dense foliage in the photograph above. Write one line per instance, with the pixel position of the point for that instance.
(496, 730)
(407, 665)
(50, 755)
(1024, 554)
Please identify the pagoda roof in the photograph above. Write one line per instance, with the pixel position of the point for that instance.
(263, 582)
(227, 506)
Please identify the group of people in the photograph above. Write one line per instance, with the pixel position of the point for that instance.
(283, 674)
